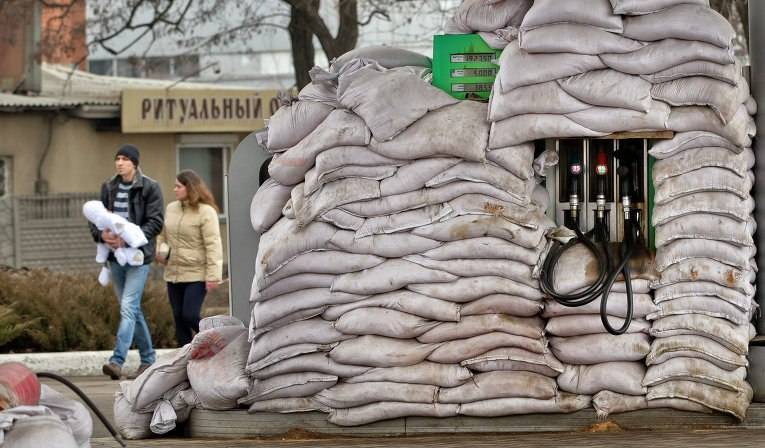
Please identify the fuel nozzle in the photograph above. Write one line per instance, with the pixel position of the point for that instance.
(601, 172)
(574, 171)
(626, 189)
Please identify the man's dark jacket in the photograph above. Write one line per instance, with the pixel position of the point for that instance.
(145, 209)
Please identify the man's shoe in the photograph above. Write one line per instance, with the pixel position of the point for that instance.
(112, 370)
(142, 368)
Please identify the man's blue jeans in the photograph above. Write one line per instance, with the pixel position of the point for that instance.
(128, 284)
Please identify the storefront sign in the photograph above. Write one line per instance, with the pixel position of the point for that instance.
(185, 110)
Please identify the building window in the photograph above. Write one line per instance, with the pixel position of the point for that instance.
(186, 66)
(158, 68)
(5, 177)
(103, 67)
(131, 67)
(211, 163)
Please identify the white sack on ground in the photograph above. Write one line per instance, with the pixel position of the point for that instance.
(404, 301)
(426, 372)
(563, 403)
(73, 413)
(689, 346)
(619, 376)
(699, 370)
(664, 54)
(311, 362)
(287, 406)
(382, 322)
(370, 413)
(220, 380)
(575, 38)
(266, 206)
(734, 403)
(607, 403)
(130, 424)
(708, 25)
(515, 359)
(160, 377)
(595, 13)
(599, 348)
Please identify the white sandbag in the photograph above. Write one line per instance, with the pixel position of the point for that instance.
(486, 172)
(280, 244)
(316, 331)
(520, 68)
(336, 158)
(739, 130)
(351, 395)
(454, 352)
(290, 385)
(382, 322)
(374, 412)
(704, 180)
(73, 413)
(435, 134)
(639, 286)
(502, 304)
(367, 91)
(529, 216)
(483, 247)
(610, 119)
(320, 262)
(266, 206)
(287, 406)
(715, 203)
(340, 128)
(404, 301)
(581, 324)
(387, 352)
(290, 284)
(704, 289)
(403, 221)
(471, 288)
(575, 38)
(311, 362)
(272, 310)
(595, 13)
(426, 372)
(695, 159)
(706, 227)
(606, 403)
(730, 73)
(470, 326)
(481, 15)
(341, 219)
(160, 377)
(514, 358)
(640, 7)
(734, 403)
(288, 352)
(130, 424)
(529, 127)
(314, 181)
(294, 122)
(751, 105)
(468, 227)
(220, 380)
(320, 92)
(683, 141)
(412, 176)
(599, 348)
(304, 314)
(688, 346)
(664, 54)
(609, 88)
(703, 269)
(708, 25)
(386, 56)
(542, 98)
(219, 321)
(509, 269)
(518, 160)
(723, 98)
(393, 245)
(699, 370)
(619, 376)
(563, 403)
(681, 250)
(334, 195)
(389, 276)
(163, 418)
(734, 337)
(499, 384)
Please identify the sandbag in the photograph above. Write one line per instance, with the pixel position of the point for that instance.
(319, 262)
(368, 90)
(413, 175)
(469, 227)
(595, 13)
(388, 352)
(481, 15)
(403, 221)
(639, 7)
(514, 358)
(394, 245)
(734, 403)
(130, 424)
(575, 38)
(320, 92)
(279, 245)
(581, 324)
(723, 98)
(704, 269)
(619, 376)
(220, 380)
(389, 276)
(370, 413)
(517, 159)
(487, 247)
(696, 159)
(290, 385)
(509, 269)
(683, 141)
(664, 54)
(219, 321)
(315, 181)
(704, 289)
(426, 372)
(617, 306)
(334, 195)
(350, 395)
(610, 119)
(609, 88)
(266, 206)
(681, 250)
(543, 98)
(469, 326)
(485, 172)
(599, 348)
(291, 284)
(708, 25)
(704, 180)
(528, 127)
(435, 135)
(291, 123)
(730, 73)
(384, 55)
(288, 352)
(471, 288)
(382, 322)
(404, 301)
(698, 370)
(336, 158)
(311, 362)
(688, 346)
(287, 405)
(606, 403)
(707, 306)
(739, 130)
(71, 412)
(499, 384)
(316, 331)
(304, 314)
(456, 351)
(272, 310)
(161, 376)
(502, 304)
(163, 418)
(715, 203)
(706, 227)
(529, 216)
(342, 219)
(733, 337)
(563, 403)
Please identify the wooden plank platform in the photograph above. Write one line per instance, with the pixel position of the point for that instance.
(240, 424)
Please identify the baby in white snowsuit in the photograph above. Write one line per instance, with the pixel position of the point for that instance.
(96, 213)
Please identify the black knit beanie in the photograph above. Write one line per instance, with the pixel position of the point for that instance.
(129, 151)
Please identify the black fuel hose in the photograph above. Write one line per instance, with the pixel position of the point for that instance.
(627, 249)
(87, 401)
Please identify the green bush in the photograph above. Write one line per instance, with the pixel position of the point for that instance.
(44, 311)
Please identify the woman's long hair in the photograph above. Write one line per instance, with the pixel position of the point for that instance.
(196, 190)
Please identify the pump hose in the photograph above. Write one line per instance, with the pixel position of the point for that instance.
(627, 249)
(87, 401)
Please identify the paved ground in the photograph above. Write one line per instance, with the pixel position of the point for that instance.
(99, 389)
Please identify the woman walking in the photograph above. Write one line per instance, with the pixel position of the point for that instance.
(190, 247)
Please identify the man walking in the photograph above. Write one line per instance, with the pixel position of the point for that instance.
(138, 199)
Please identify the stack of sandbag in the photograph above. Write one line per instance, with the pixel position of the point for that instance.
(401, 279)
(497, 22)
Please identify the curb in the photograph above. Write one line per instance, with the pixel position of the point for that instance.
(78, 363)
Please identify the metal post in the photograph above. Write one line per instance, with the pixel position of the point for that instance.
(757, 58)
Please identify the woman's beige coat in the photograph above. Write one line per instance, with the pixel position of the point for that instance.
(196, 252)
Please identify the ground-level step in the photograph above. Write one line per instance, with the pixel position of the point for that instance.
(239, 424)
